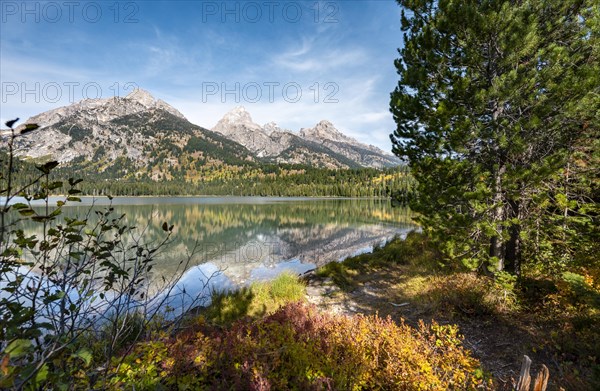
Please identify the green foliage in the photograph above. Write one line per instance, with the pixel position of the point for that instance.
(497, 116)
(75, 132)
(258, 299)
(198, 172)
(415, 250)
(207, 146)
(62, 278)
(506, 285)
(199, 178)
(142, 370)
(580, 290)
(285, 288)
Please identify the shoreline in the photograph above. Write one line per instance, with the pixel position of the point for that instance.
(170, 199)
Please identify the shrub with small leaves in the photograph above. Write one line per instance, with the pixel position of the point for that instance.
(63, 278)
(300, 348)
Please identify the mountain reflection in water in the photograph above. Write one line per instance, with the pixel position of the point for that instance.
(253, 238)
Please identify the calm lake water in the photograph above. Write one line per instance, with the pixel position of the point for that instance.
(242, 239)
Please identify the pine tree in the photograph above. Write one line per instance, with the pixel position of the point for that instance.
(491, 97)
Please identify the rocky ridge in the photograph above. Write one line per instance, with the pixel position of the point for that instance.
(323, 143)
(141, 129)
(133, 137)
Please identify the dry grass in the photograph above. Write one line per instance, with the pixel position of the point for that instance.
(554, 321)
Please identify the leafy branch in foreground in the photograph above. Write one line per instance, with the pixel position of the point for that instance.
(73, 291)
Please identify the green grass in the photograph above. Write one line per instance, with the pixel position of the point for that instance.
(414, 251)
(258, 299)
(284, 289)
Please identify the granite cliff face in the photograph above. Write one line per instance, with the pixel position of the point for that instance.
(322, 145)
(325, 134)
(101, 111)
(237, 125)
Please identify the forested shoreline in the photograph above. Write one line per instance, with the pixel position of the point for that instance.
(251, 180)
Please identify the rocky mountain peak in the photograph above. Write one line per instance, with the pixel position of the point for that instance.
(325, 130)
(271, 127)
(143, 97)
(103, 110)
(236, 120)
(325, 123)
(146, 100)
(323, 143)
(238, 115)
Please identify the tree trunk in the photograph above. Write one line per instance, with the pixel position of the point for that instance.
(496, 242)
(513, 245)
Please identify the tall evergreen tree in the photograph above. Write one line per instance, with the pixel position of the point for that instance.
(492, 96)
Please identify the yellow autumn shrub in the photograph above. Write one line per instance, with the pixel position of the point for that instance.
(300, 348)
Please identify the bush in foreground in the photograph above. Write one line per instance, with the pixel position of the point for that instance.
(298, 347)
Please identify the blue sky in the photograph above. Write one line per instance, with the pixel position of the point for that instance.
(291, 62)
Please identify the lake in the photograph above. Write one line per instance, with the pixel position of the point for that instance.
(237, 240)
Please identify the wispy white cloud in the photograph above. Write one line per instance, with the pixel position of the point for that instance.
(320, 62)
(173, 55)
(317, 54)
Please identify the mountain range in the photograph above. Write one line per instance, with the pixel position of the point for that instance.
(322, 144)
(139, 135)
